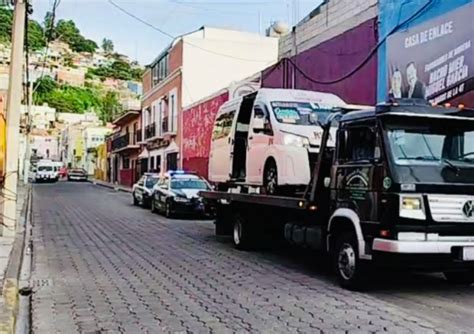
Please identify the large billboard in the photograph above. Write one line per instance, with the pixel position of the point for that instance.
(433, 60)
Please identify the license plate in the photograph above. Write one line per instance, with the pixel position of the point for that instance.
(468, 254)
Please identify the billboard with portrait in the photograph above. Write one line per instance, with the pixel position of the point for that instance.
(433, 60)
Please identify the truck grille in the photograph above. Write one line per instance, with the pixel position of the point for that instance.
(455, 208)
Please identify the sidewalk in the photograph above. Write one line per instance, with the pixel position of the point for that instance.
(116, 187)
(11, 251)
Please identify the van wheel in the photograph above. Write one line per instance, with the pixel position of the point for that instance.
(135, 201)
(241, 234)
(460, 277)
(350, 270)
(270, 178)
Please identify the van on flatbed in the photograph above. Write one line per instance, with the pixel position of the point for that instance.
(396, 190)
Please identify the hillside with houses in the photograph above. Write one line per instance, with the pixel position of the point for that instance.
(75, 89)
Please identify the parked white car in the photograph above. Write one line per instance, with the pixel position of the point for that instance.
(270, 138)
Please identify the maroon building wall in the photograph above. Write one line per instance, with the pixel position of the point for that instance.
(197, 131)
(332, 60)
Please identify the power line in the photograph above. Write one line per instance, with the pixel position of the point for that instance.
(188, 43)
(49, 38)
(369, 56)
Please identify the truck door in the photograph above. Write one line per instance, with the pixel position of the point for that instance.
(260, 138)
(355, 168)
(222, 147)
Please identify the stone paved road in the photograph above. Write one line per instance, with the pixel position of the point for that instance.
(104, 266)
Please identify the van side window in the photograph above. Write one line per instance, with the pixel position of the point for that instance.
(223, 125)
(356, 144)
(260, 112)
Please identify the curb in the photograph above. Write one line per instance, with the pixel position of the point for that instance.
(10, 287)
(110, 186)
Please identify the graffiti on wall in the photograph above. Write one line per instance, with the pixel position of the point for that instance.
(198, 122)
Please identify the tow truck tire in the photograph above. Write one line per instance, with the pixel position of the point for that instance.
(460, 277)
(135, 201)
(350, 270)
(241, 234)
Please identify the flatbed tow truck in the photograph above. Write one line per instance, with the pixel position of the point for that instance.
(397, 190)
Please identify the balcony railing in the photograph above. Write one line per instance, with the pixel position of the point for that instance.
(150, 131)
(121, 142)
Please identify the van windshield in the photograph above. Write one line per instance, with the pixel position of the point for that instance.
(301, 113)
(45, 169)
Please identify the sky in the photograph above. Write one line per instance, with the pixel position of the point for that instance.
(99, 18)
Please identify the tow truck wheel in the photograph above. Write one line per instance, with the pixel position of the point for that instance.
(349, 268)
(460, 277)
(241, 234)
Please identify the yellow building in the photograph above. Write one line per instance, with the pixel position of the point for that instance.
(101, 163)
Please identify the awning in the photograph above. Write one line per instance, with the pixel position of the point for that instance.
(172, 147)
(144, 155)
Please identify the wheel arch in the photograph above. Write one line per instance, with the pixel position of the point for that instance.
(346, 219)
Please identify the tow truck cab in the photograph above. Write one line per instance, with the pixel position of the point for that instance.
(397, 189)
(402, 181)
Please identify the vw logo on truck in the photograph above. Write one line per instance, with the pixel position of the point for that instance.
(468, 209)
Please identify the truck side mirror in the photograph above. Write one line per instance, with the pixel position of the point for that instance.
(258, 124)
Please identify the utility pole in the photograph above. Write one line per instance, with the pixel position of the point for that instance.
(15, 91)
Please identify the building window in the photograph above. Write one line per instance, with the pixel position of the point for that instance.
(173, 113)
(172, 161)
(152, 163)
(160, 70)
(126, 163)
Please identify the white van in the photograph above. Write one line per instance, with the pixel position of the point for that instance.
(46, 171)
(269, 138)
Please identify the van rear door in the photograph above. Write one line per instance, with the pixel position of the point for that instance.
(222, 146)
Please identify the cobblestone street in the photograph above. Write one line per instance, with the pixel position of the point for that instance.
(104, 266)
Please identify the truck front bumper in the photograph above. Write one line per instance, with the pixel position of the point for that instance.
(425, 251)
(419, 247)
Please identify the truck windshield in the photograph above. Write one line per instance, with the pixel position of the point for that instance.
(301, 113)
(424, 145)
(427, 147)
(45, 169)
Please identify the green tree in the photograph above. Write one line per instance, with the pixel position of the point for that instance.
(45, 86)
(6, 20)
(107, 45)
(36, 38)
(85, 45)
(121, 70)
(110, 107)
(67, 31)
(49, 29)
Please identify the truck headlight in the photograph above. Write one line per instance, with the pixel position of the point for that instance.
(411, 206)
(293, 140)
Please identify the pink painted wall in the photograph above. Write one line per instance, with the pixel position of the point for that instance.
(198, 123)
(332, 60)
